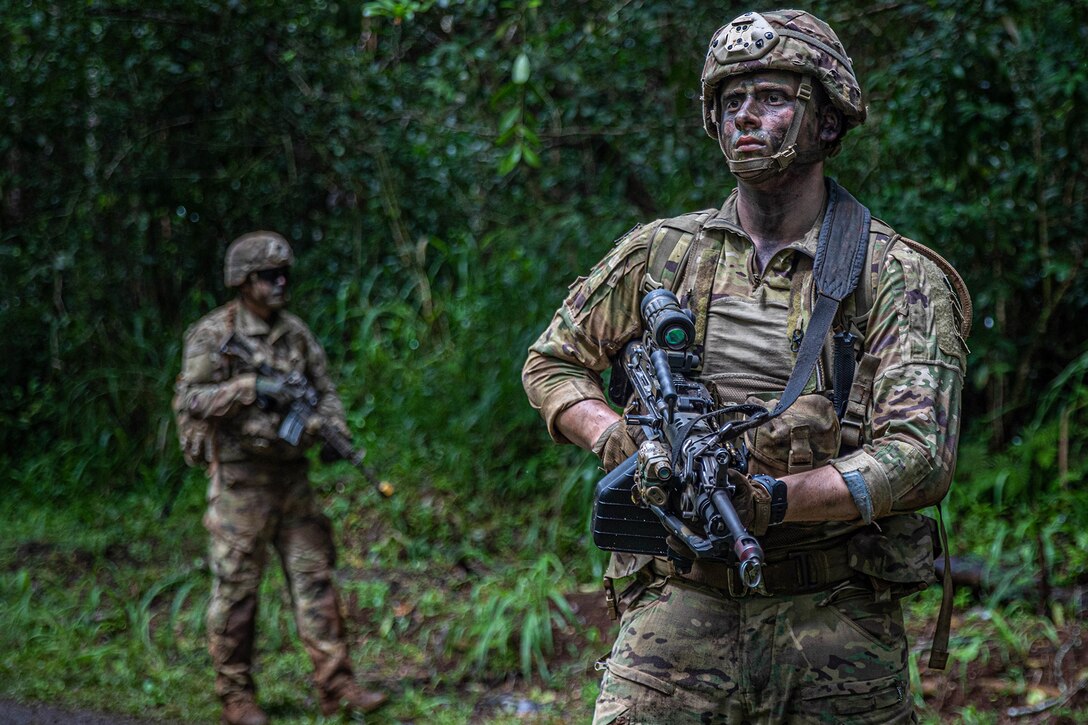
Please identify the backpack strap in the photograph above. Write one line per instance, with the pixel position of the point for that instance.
(938, 653)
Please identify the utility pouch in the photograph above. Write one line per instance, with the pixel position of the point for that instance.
(805, 436)
(897, 554)
(858, 403)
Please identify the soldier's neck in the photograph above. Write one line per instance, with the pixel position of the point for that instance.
(257, 309)
(779, 211)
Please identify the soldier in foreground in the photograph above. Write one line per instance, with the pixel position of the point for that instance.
(229, 409)
(831, 484)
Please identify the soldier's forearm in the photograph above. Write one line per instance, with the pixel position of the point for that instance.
(819, 495)
(223, 399)
(584, 422)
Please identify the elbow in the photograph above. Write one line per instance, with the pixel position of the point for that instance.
(930, 479)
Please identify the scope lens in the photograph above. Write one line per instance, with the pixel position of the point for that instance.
(675, 337)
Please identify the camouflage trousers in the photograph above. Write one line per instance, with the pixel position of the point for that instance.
(689, 654)
(250, 507)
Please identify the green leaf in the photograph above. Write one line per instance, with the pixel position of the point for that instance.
(521, 69)
(510, 161)
(531, 157)
(511, 117)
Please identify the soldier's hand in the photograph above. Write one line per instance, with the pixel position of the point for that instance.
(281, 390)
(272, 388)
(679, 548)
(328, 454)
(615, 445)
(760, 501)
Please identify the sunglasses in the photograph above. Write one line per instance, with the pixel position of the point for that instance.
(273, 275)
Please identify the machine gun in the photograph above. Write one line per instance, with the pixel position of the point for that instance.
(302, 406)
(677, 484)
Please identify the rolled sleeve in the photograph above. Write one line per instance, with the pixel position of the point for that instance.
(553, 386)
(221, 400)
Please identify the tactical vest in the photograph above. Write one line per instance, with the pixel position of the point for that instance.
(843, 366)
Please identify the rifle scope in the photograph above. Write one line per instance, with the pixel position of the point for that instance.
(670, 327)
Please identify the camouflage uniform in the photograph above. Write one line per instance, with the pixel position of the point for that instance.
(259, 491)
(823, 641)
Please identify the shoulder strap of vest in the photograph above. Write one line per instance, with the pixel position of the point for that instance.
(669, 247)
(865, 294)
(670, 242)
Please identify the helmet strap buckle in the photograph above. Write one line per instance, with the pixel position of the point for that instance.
(785, 157)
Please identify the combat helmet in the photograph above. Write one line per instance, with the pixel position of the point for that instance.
(789, 40)
(254, 252)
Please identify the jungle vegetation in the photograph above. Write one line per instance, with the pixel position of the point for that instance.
(444, 169)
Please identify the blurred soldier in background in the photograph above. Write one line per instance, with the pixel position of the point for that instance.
(229, 409)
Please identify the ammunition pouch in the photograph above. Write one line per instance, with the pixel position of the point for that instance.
(897, 554)
(805, 436)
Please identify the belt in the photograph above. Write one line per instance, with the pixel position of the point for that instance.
(801, 572)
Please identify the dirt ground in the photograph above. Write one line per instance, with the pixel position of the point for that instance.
(14, 713)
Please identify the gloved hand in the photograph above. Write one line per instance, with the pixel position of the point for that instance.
(281, 390)
(753, 498)
(679, 548)
(328, 454)
(615, 445)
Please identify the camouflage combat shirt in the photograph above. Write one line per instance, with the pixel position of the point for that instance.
(220, 390)
(913, 417)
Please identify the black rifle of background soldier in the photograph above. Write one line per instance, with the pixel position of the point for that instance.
(303, 405)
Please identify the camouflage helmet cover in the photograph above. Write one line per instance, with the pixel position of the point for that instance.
(790, 40)
(254, 252)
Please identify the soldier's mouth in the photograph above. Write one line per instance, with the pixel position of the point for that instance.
(748, 143)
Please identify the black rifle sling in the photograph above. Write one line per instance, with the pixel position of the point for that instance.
(840, 257)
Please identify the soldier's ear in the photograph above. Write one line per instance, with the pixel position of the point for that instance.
(831, 124)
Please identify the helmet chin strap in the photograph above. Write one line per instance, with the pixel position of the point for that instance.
(764, 167)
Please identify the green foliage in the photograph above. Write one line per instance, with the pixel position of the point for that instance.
(444, 169)
(505, 626)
